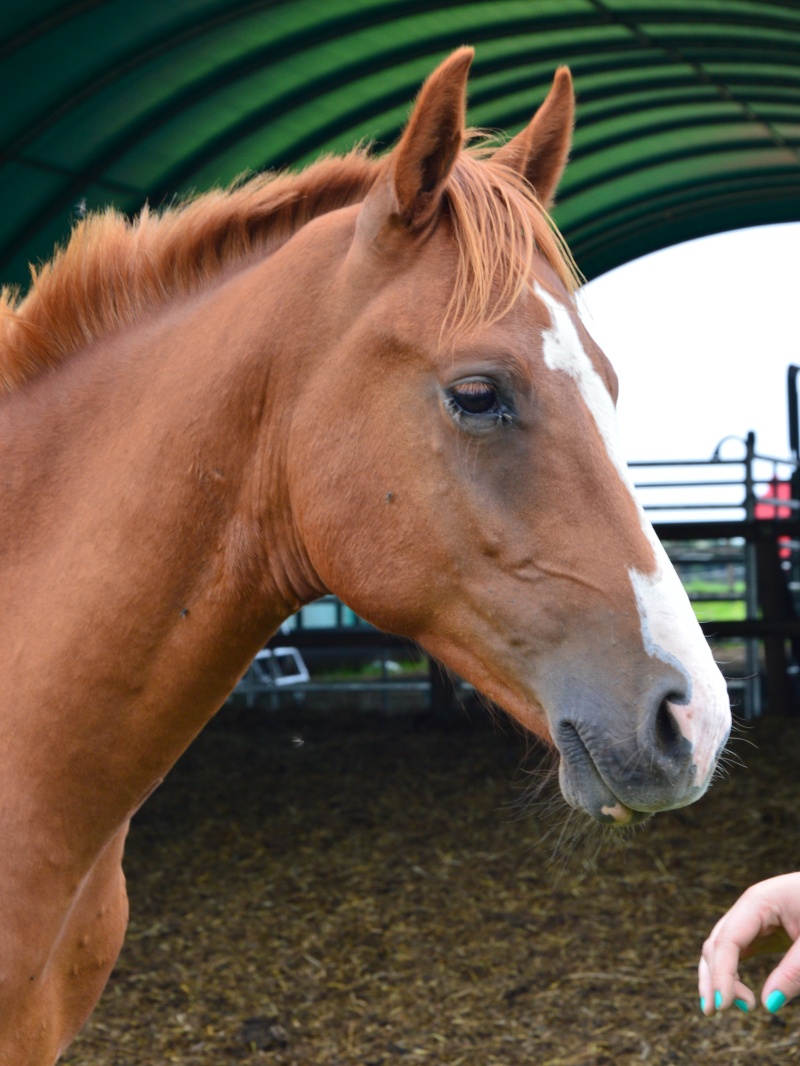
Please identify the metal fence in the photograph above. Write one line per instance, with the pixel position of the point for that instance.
(737, 509)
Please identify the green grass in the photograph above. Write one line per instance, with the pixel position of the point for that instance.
(372, 670)
(698, 587)
(723, 610)
(720, 611)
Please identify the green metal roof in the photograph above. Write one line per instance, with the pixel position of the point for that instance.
(688, 110)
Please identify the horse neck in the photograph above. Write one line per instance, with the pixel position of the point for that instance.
(188, 410)
(141, 491)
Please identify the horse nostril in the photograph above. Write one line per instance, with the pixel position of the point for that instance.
(669, 737)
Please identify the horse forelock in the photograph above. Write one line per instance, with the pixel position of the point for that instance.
(113, 270)
(499, 228)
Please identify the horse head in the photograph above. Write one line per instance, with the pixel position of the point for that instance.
(455, 472)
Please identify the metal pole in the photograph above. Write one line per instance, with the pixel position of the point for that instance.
(752, 691)
(794, 426)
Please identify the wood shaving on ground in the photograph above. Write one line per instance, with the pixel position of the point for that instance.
(393, 891)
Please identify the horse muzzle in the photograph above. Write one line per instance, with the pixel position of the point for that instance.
(664, 759)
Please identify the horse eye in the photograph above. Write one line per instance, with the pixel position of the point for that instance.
(475, 398)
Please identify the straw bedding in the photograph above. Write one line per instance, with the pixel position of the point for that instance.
(328, 886)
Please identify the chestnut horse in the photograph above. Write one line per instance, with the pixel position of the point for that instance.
(366, 379)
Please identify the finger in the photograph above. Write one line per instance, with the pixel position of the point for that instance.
(718, 976)
(723, 966)
(704, 987)
(730, 938)
(744, 999)
(783, 983)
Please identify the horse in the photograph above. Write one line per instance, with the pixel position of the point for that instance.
(368, 378)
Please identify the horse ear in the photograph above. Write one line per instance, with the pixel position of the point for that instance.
(409, 194)
(539, 153)
(432, 139)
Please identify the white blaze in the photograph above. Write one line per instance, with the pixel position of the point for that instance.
(668, 625)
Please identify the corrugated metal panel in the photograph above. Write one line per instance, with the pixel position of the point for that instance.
(688, 120)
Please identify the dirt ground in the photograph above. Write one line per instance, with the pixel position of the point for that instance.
(352, 889)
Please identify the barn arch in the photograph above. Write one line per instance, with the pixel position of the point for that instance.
(688, 113)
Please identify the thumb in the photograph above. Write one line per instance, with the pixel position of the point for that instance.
(784, 981)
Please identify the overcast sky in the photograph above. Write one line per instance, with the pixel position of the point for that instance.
(701, 336)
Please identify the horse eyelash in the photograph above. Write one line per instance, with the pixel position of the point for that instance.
(453, 408)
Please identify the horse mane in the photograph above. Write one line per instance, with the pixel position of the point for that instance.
(113, 271)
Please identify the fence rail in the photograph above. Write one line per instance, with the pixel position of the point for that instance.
(763, 530)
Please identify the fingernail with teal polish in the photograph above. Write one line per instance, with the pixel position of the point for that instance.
(702, 1004)
(740, 1003)
(717, 1000)
(775, 1000)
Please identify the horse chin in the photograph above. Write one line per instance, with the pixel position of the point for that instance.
(584, 789)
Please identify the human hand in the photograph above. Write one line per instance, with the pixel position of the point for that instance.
(765, 918)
